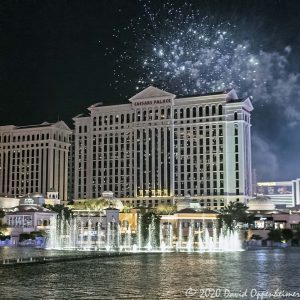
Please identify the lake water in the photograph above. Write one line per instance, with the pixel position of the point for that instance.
(235, 275)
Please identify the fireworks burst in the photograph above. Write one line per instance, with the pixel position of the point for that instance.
(183, 52)
(179, 51)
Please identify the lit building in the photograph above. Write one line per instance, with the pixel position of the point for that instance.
(160, 148)
(34, 159)
(296, 191)
(282, 193)
(27, 217)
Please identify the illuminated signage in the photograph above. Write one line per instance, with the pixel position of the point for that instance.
(152, 102)
(28, 201)
(266, 183)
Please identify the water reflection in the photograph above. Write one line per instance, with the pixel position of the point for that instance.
(153, 276)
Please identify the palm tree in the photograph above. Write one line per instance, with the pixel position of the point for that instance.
(235, 212)
(92, 204)
(164, 209)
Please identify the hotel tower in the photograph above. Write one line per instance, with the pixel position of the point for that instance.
(160, 148)
(34, 159)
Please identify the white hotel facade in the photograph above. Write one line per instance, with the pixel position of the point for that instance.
(34, 159)
(160, 149)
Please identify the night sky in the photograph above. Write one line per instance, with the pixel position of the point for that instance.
(59, 57)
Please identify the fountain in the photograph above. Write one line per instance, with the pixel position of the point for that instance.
(99, 233)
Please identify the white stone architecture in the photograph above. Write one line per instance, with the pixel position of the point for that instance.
(34, 159)
(160, 148)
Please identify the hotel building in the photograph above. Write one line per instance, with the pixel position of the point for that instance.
(282, 193)
(160, 148)
(34, 159)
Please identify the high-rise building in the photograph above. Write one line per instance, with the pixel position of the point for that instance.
(34, 159)
(160, 148)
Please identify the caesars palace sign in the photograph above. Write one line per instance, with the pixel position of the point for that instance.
(152, 102)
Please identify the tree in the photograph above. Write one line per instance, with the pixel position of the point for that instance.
(2, 214)
(234, 213)
(2, 229)
(92, 204)
(164, 209)
(256, 237)
(297, 233)
(60, 209)
(127, 208)
(287, 234)
(275, 235)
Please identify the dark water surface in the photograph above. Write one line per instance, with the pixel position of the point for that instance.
(155, 276)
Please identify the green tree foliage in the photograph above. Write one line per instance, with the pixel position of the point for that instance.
(127, 208)
(256, 237)
(164, 209)
(297, 233)
(147, 219)
(2, 214)
(2, 229)
(91, 204)
(275, 235)
(60, 209)
(287, 234)
(2, 225)
(32, 235)
(234, 213)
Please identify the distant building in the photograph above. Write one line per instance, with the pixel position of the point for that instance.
(71, 168)
(34, 159)
(160, 148)
(296, 191)
(282, 193)
(267, 217)
(29, 216)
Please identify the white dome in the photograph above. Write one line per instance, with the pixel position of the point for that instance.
(261, 203)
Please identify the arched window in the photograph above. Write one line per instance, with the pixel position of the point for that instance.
(144, 115)
(200, 111)
(194, 112)
(162, 113)
(128, 118)
(138, 115)
(213, 110)
(175, 113)
(235, 116)
(122, 119)
(168, 113)
(181, 113)
(111, 120)
(188, 112)
(220, 110)
(207, 111)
